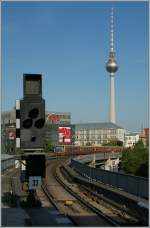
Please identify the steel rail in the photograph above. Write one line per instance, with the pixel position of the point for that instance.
(49, 195)
(133, 213)
(87, 204)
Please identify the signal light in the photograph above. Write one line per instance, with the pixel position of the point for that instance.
(32, 113)
(27, 123)
(33, 139)
(32, 124)
(39, 123)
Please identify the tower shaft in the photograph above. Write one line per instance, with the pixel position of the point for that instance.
(112, 109)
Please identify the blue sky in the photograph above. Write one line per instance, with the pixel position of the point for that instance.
(68, 43)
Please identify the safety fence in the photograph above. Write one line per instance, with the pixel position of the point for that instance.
(7, 161)
(101, 156)
(129, 183)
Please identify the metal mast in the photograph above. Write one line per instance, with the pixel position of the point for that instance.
(112, 67)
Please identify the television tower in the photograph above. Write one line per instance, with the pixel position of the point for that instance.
(112, 67)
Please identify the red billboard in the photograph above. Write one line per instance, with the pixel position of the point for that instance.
(11, 133)
(64, 135)
(54, 118)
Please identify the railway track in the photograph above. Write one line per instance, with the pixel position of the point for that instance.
(116, 214)
(67, 204)
(77, 204)
(83, 206)
(8, 178)
(128, 210)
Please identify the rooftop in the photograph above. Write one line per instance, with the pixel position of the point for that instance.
(97, 126)
(131, 134)
(57, 113)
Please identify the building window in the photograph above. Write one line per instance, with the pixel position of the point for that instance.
(104, 136)
(104, 131)
(113, 132)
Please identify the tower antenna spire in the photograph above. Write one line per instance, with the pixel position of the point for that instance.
(112, 30)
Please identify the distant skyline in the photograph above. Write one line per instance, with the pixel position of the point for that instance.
(68, 43)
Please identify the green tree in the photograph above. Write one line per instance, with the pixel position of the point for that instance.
(139, 145)
(88, 144)
(119, 143)
(48, 145)
(114, 142)
(135, 160)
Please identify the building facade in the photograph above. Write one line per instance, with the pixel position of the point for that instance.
(131, 139)
(60, 134)
(97, 133)
(144, 136)
(58, 129)
(8, 117)
(58, 117)
(8, 126)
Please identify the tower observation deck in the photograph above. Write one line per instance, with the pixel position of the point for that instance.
(112, 67)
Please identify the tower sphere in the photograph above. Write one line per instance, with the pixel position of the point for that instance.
(111, 66)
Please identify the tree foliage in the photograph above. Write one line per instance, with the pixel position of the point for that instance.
(135, 160)
(114, 142)
(48, 145)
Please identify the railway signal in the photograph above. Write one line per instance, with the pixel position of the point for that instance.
(30, 133)
(32, 113)
(35, 165)
(34, 169)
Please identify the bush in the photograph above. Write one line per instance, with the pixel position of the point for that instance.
(48, 145)
(135, 161)
(114, 142)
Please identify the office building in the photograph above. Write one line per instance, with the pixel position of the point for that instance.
(97, 133)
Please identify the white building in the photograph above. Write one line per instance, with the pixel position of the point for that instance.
(112, 164)
(97, 133)
(131, 139)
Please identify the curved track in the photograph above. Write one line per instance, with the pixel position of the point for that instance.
(76, 202)
(8, 178)
(66, 197)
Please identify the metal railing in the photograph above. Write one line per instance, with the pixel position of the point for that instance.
(7, 161)
(129, 183)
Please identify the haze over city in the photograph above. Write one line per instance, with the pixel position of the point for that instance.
(68, 43)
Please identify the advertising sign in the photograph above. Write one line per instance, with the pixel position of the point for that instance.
(11, 134)
(54, 118)
(58, 118)
(64, 134)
